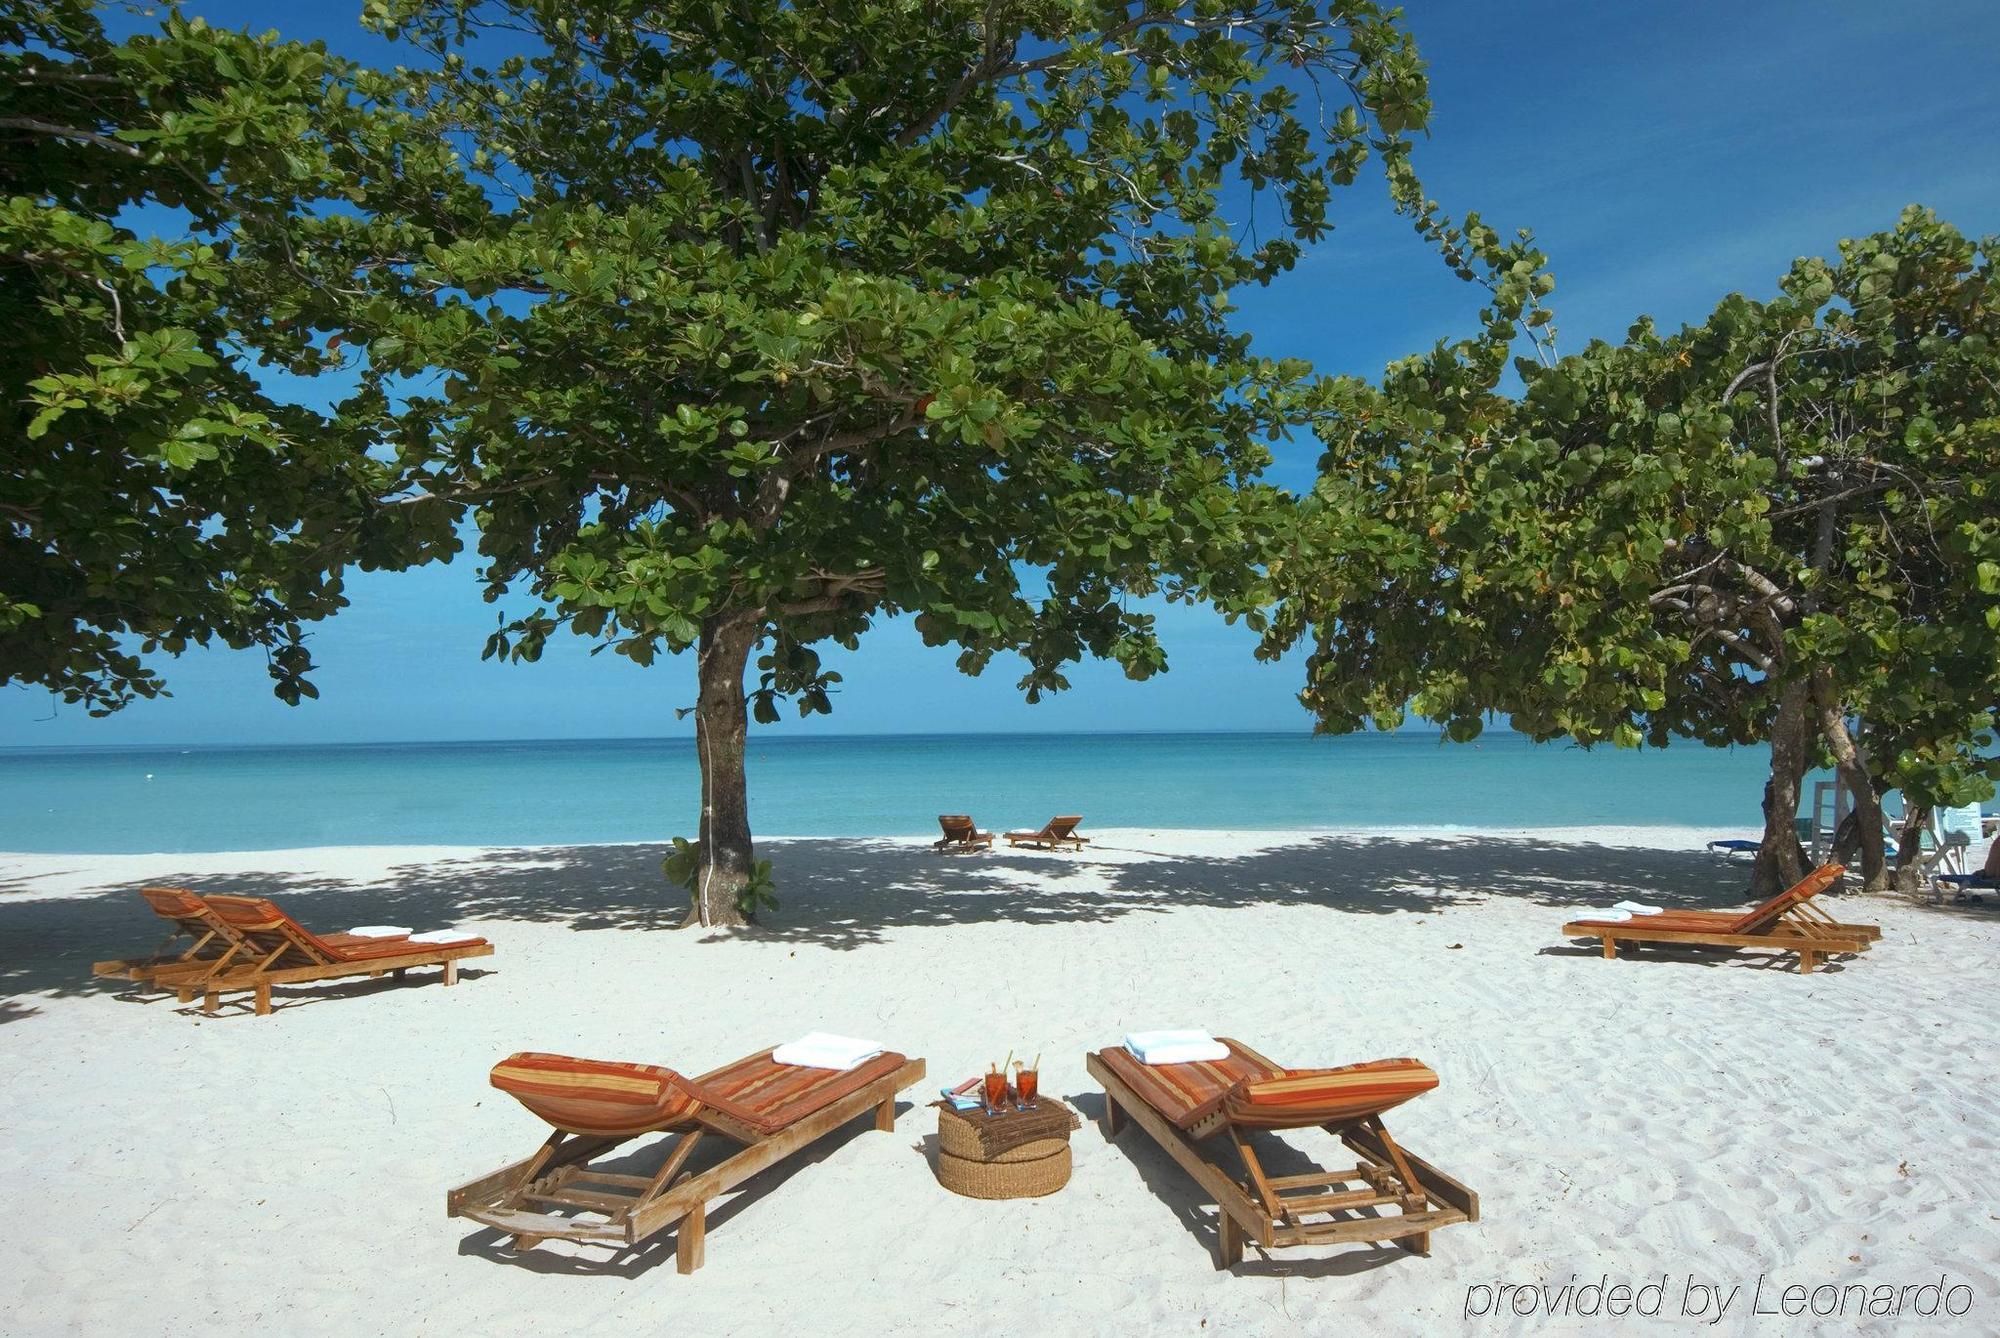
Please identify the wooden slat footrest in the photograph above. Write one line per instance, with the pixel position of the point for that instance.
(547, 1226)
(1328, 1203)
(569, 1196)
(1368, 1228)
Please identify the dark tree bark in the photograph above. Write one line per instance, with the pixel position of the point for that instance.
(722, 728)
(1780, 859)
(1910, 847)
(1865, 830)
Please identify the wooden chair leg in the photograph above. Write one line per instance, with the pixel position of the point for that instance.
(451, 971)
(693, 1233)
(1610, 946)
(1231, 1252)
(210, 1002)
(263, 998)
(885, 1115)
(1114, 1118)
(1808, 959)
(1417, 1244)
(1258, 1182)
(1409, 1178)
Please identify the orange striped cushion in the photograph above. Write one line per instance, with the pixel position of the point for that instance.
(256, 916)
(1715, 922)
(248, 912)
(594, 1096)
(1755, 920)
(768, 1096)
(1187, 1093)
(174, 903)
(1301, 1097)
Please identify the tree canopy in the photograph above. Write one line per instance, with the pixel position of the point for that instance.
(742, 325)
(1767, 526)
(155, 495)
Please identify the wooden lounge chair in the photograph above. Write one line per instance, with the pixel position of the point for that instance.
(211, 940)
(1789, 922)
(962, 833)
(1187, 1108)
(274, 949)
(772, 1110)
(1057, 832)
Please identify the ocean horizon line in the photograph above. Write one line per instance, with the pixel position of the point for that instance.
(759, 740)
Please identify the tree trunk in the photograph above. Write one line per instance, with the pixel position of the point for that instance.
(722, 728)
(1780, 860)
(1852, 764)
(1910, 846)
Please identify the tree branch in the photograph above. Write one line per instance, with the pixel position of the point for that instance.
(50, 128)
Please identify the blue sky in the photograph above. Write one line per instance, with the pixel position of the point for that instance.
(1664, 155)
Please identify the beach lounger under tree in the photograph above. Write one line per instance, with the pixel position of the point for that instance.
(1058, 831)
(189, 918)
(211, 943)
(962, 833)
(271, 948)
(1199, 1111)
(771, 1110)
(1790, 922)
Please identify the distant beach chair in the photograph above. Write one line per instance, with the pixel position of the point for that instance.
(1735, 846)
(772, 1110)
(962, 833)
(274, 949)
(1954, 831)
(1184, 1107)
(1788, 922)
(1058, 831)
(1960, 831)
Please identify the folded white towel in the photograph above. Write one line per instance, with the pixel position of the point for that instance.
(380, 931)
(1612, 916)
(1184, 1054)
(1175, 1047)
(435, 936)
(1636, 907)
(823, 1050)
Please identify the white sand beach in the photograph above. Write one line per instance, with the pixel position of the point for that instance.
(1672, 1117)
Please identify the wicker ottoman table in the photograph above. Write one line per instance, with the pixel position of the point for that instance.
(1018, 1154)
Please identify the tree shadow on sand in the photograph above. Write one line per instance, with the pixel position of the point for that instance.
(849, 893)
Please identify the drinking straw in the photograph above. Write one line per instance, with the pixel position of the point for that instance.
(1038, 1061)
(1007, 1063)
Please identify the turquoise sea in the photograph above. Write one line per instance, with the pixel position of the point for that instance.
(106, 800)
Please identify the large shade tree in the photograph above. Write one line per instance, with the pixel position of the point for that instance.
(763, 320)
(1780, 524)
(154, 496)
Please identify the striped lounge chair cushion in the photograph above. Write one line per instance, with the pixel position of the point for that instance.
(594, 1096)
(768, 1096)
(1189, 1093)
(1298, 1098)
(174, 903)
(267, 926)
